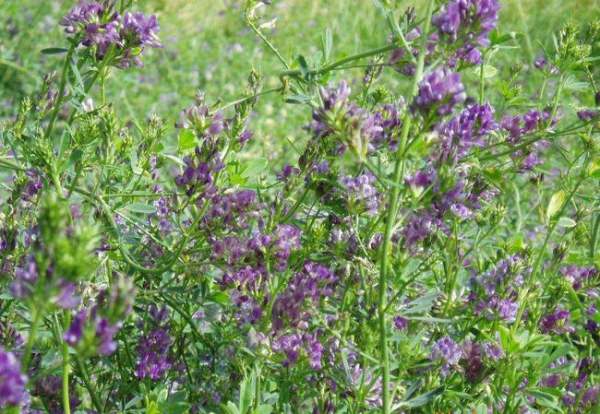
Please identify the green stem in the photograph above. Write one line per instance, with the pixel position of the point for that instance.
(61, 92)
(35, 323)
(481, 80)
(248, 98)
(88, 385)
(341, 62)
(393, 209)
(538, 261)
(66, 368)
(268, 43)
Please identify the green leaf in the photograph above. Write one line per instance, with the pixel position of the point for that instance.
(263, 409)
(566, 222)
(230, 408)
(298, 99)
(54, 50)
(555, 205)
(594, 169)
(141, 208)
(327, 44)
(186, 140)
(303, 65)
(420, 400)
(220, 297)
(489, 71)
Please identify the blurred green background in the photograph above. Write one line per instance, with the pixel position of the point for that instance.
(208, 47)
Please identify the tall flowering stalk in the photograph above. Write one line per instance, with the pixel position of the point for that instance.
(391, 218)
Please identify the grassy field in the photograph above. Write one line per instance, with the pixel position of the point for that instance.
(209, 48)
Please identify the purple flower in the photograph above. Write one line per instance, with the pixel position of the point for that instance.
(153, 354)
(468, 23)
(33, 186)
(105, 333)
(360, 193)
(73, 335)
(12, 381)
(472, 353)
(590, 396)
(286, 172)
(466, 131)
(519, 125)
(26, 276)
(140, 30)
(540, 62)
(551, 381)
(507, 310)
(439, 91)
(400, 323)
(446, 350)
(67, 297)
(314, 282)
(97, 26)
(493, 351)
(578, 276)
(587, 115)
(422, 178)
(335, 104)
(556, 322)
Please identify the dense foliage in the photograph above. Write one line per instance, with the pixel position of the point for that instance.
(430, 249)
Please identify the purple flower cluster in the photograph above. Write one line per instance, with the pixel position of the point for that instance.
(470, 357)
(97, 26)
(557, 322)
(467, 25)
(439, 92)
(338, 113)
(519, 125)
(26, 275)
(587, 115)
(154, 346)
(12, 381)
(308, 286)
(465, 131)
(199, 118)
(455, 197)
(153, 350)
(579, 276)
(33, 185)
(197, 177)
(360, 193)
(99, 327)
(233, 210)
(95, 327)
(446, 350)
(292, 345)
(494, 293)
(49, 389)
(280, 245)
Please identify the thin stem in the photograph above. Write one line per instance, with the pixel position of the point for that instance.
(35, 322)
(538, 261)
(88, 385)
(66, 368)
(481, 79)
(268, 43)
(341, 62)
(61, 92)
(248, 98)
(393, 210)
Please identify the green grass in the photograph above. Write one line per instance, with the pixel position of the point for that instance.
(209, 48)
